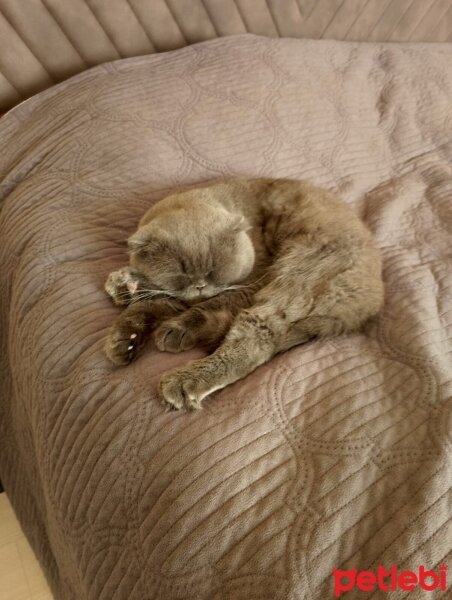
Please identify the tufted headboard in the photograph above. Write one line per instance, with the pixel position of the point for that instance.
(45, 41)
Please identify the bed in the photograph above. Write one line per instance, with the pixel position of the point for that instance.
(335, 455)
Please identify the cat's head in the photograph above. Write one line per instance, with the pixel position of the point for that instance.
(194, 252)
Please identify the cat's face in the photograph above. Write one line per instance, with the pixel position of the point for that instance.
(192, 263)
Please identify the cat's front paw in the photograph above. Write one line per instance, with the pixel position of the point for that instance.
(174, 335)
(121, 285)
(124, 342)
(183, 388)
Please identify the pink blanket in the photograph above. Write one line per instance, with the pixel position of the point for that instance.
(336, 454)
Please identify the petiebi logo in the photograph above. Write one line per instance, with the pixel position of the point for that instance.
(389, 580)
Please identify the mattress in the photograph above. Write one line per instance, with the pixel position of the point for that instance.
(334, 455)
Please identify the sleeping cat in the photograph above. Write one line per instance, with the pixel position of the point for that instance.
(250, 267)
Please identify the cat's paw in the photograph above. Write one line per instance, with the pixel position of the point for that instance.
(174, 335)
(121, 285)
(183, 388)
(123, 343)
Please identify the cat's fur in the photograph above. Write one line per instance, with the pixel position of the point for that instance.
(249, 266)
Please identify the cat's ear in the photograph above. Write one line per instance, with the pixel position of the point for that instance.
(144, 239)
(137, 241)
(239, 223)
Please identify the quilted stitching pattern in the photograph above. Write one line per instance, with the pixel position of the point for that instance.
(335, 454)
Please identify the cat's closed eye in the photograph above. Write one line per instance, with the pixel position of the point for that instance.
(179, 282)
(183, 267)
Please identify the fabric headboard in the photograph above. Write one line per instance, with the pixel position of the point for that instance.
(46, 41)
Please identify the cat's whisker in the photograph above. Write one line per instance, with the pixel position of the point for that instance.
(142, 294)
(127, 293)
(239, 287)
(245, 285)
(156, 291)
(137, 297)
(149, 295)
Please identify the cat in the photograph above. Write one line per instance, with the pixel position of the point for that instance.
(248, 268)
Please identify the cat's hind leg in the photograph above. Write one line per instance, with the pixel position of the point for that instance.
(247, 345)
(280, 320)
(252, 340)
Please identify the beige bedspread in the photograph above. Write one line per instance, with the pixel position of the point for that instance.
(336, 454)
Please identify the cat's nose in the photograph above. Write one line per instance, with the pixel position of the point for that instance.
(200, 286)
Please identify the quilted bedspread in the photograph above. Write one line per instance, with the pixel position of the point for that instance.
(336, 454)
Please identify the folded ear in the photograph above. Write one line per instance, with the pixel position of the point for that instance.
(146, 237)
(239, 223)
(140, 239)
(135, 243)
